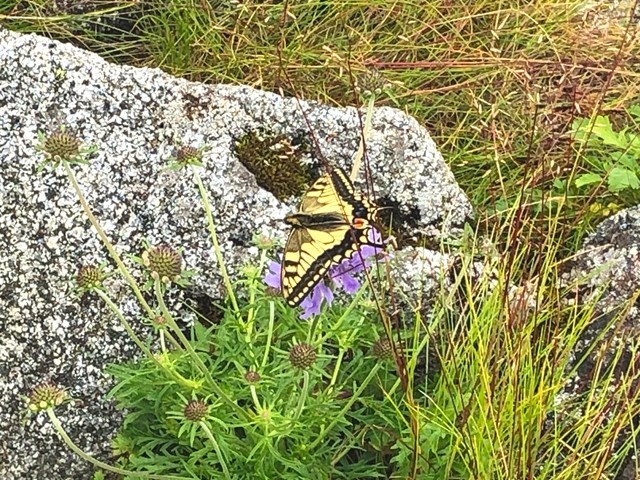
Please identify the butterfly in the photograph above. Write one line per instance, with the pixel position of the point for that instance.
(332, 221)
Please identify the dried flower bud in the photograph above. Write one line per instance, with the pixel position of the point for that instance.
(89, 277)
(61, 146)
(163, 262)
(46, 396)
(263, 242)
(252, 376)
(371, 83)
(382, 349)
(187, 155)
(302, 356)
(196, 410)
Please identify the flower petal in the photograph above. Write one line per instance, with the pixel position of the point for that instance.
(347, 282)
(272, 276)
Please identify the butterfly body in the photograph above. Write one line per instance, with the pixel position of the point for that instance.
(332, 221)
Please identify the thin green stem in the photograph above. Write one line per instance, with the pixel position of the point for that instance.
(141, 345)
(336, 370)
(303, 395)
(216, 447)
(214, 239)
(252, 299)
(105, 466)
(254, 396)
(112, 251)
(202, 368)
(357, 161)
(272, 317)
(340, 416)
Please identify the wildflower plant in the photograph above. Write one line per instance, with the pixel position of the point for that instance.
(259, 394)
(62, 146)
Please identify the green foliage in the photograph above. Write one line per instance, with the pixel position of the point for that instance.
(611, 155)
(329, 421)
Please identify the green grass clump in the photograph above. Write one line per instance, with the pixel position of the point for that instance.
(496, 83)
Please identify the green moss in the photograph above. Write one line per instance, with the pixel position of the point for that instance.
(277, 162)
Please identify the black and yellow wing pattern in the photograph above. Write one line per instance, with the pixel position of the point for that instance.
(332, 221)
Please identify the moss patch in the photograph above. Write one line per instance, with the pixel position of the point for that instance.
(277, 162)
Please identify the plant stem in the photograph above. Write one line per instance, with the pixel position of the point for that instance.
(141, 345)
(192, 353)
(354, 398)
(112, 251)
(216, 447)
(357, 160)
(214, 240)
(272, 317)
(105, 466)
(303, 395)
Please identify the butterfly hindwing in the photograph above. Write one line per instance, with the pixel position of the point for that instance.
(307, 257)
(323, 233)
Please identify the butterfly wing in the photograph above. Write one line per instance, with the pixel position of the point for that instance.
(308, 254)
(327, 236)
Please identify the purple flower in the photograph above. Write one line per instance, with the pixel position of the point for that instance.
(341, 275)
(272, 277)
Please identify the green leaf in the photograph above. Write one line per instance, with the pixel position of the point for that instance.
(603, 130)
(621, 179)
(626, 160)
(580, 128)
(634, 111)
(587, 179)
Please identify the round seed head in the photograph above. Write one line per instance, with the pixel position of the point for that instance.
(302, 356)
(61, 145)
(89, 277)
(163, 262)
(196, 410)
(187, 155)
(371, 83)
(263, 242)
(46, 396)
(382, 349)
(252, 376)
(272, 292)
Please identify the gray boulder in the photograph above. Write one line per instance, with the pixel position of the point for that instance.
(606, 272)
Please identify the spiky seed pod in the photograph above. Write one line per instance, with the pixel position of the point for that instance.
(382, 349)
(252, 376)
(371, 83)
(89, 277)
(272, 292)
(61, 145)
(46, 396)
(187, 155)
(195, 410)
(302, 356)
(163, 262)
(159, 321)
